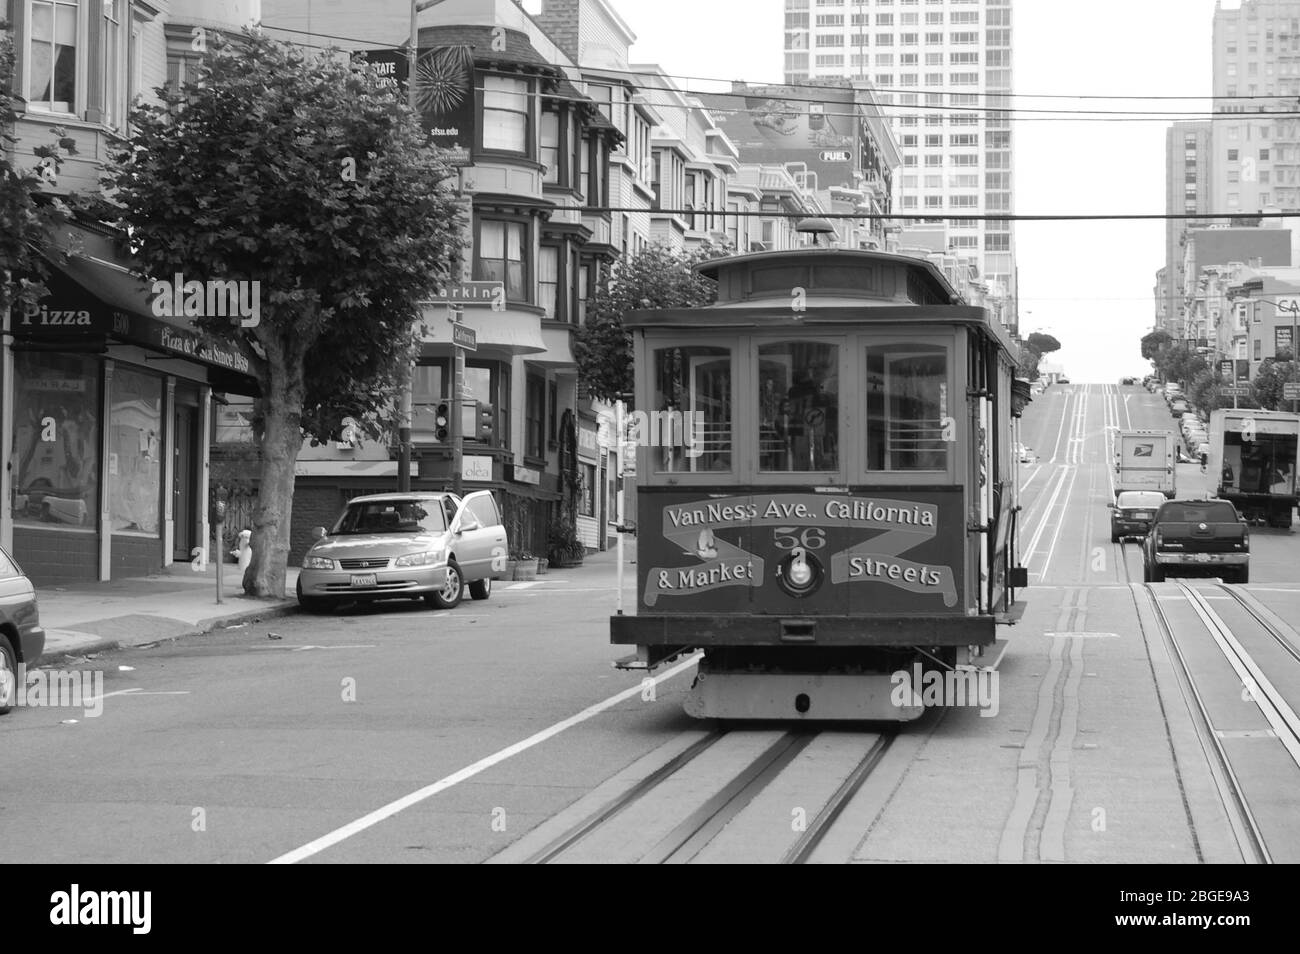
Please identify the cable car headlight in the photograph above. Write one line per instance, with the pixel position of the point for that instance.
(800, 574)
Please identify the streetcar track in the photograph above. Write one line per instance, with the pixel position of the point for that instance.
(1244, 824)
(706, 822)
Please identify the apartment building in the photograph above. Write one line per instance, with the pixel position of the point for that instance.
(937, 66)
(1256, 57)
(105, 419)
(1189, 157)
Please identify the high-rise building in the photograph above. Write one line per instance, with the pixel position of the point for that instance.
(1188, 178)
(942, 69)
(1256, 164)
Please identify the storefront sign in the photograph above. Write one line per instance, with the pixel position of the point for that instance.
(526, 475)
(477, 468)
(201, 348)
(587, 439)
(71, 313)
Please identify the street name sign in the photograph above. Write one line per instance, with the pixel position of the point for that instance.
(463, 336)
(1291, 391)
(471, 293)
(1235, 391)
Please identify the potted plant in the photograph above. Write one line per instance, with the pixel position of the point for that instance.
(525, 565)
(563, 548)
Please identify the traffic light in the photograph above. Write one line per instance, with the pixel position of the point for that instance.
(442, 422)
(487, 419)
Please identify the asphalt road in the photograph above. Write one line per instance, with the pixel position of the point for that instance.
(398, 733)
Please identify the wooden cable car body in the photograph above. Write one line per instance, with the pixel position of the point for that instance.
(826, 492)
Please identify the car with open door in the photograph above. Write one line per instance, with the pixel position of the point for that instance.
(430, 546)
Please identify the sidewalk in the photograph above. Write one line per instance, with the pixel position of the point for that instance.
(94, 617)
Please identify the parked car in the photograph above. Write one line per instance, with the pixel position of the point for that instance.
(1177, 407)
(22, 640)
(1127, 382)
(430, 546)
(1062, 380)
(1132, 512)
(1026, 455)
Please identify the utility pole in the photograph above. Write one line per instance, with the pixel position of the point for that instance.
(455, 315)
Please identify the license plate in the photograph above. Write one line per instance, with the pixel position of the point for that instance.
(1142, 515)
(363, 579)
(1200, 557)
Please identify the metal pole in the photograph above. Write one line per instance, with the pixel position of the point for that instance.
(618, 436)
(220, 547)
(406, 400)
(457, 432)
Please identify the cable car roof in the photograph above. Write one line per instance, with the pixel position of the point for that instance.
(835, 286)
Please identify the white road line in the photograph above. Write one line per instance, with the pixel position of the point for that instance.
(1065, 413)
(1074, 474)
(482, 765)
(524, 586)
(1047, 515)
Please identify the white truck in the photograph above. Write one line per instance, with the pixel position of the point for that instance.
(1254, 456)
(1144, 460)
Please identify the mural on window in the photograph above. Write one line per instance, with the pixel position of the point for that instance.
(135, 452)
(908, 424)
(798, 384)
(56, 440)
(690, 418)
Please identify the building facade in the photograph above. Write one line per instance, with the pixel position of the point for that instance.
(1189, 152)
(1256, 54)
(937, 66)
(106, 406)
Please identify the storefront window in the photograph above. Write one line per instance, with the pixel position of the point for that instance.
(689, 424)
(587, 502)
(798, 399)
(56, 441)
(908, 423)
(135, 453)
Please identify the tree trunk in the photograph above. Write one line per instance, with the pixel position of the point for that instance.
(281, 442)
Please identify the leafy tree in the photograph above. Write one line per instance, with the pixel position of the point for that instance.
(1154, 343)
(296, 169)
(29, 218)
(1042, 343)
(1268, 383)
(655, 277)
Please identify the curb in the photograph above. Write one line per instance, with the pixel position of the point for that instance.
(202, 628)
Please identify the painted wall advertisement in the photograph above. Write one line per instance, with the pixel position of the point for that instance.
(808, 553)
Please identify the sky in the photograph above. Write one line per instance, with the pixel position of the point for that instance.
(1090, 284)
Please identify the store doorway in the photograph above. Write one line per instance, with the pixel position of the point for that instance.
(185, 462)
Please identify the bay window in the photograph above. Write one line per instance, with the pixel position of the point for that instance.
(548, 282)
(53, 53)
(505, 114)
(502, 256)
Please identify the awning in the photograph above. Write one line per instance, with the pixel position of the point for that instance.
(509, 332)
(90, 301)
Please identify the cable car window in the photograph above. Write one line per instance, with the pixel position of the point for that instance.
(689, 420)
(798, 400)
(908, 423)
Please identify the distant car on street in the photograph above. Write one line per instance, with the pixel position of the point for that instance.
(1026, 455)
(1127, 382)
(22, 640)
(430, 546)
(1062, 380)
(1132, 512)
